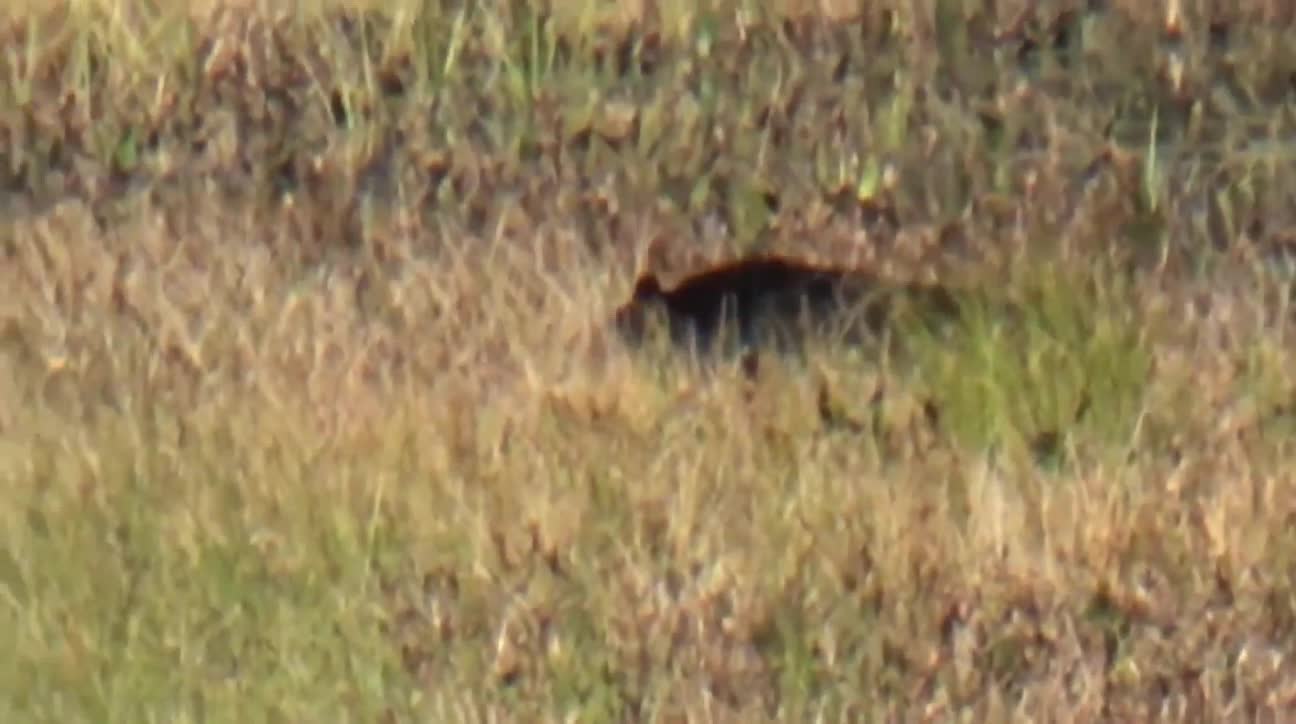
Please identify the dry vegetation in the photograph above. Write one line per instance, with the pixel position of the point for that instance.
(306, 413)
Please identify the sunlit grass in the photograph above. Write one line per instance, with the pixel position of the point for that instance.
(361, 448)
(1060, 350)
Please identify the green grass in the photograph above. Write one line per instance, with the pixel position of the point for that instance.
(170, 594)
(307, 411)
(1039, 362)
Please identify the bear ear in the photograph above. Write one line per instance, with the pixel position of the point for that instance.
(647, 287)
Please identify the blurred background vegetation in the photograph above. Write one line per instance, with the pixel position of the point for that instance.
(297, 421)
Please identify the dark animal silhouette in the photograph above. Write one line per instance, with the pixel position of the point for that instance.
(763, 300)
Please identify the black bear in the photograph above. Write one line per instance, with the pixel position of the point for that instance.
(772, 299)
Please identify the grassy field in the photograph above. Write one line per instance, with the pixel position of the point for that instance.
(308, 412)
